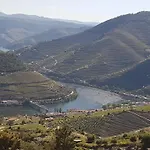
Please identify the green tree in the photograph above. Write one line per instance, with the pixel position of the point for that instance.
(1, 120)
(64, 140)
(10, 123)
(9, 141)
(23, 122)
(145, 142)
(60, 110)
(41, 121)
(113, 141)
(90, 138)
(133, 139)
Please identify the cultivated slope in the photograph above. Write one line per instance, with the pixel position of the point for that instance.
(111, 125)
(31, 86)
(18, 83)
(132, 79)
(108, 48)
(9, 63)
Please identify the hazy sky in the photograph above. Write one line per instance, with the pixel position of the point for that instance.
(83, 10)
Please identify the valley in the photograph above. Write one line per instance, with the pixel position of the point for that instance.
(69, 84)
(96, 56)
(21, 87)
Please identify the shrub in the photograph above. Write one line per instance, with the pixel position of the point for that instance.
(90, 138)
(64, 139)
(113, 141)
(133, 139)
(145, 142)
(125, 136)
(9, 141)
(99, 142)
(23, 122)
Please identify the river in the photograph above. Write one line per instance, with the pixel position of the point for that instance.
(88, 98)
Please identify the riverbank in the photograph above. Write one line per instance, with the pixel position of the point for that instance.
(85, 98)
(126, 95)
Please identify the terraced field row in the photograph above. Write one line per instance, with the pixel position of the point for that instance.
(31, 86)
(143, 114)
(110, 125)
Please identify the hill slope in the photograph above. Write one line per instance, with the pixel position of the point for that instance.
(9, 63)
(108, 48)
(16, 83)
(18, 27)
(136, 78)
(31, 86)
(111, 125)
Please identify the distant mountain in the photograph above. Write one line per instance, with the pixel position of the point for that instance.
(2, 14)
(94, 54)
(17, 27)
(48, 35)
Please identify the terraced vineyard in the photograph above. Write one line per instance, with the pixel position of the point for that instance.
(110, 125)
(30, 86)
(9, 63)
(143, 114)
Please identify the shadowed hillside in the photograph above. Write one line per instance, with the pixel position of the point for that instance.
(136, 78)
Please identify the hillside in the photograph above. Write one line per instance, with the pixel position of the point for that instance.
(111, 125)
(16, 27)
(132, 79)
(17, 83)
(31, 86)
(9, 63)
(110, 47)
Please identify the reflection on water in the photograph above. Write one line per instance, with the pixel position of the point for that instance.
(88, 98)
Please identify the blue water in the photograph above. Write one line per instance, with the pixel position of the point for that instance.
(88, 98)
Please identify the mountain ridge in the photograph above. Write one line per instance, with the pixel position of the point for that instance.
(48, 35)
(19, 26)
(96, 54)
(115, 44)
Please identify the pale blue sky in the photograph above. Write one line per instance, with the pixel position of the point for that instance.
(83, 10)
